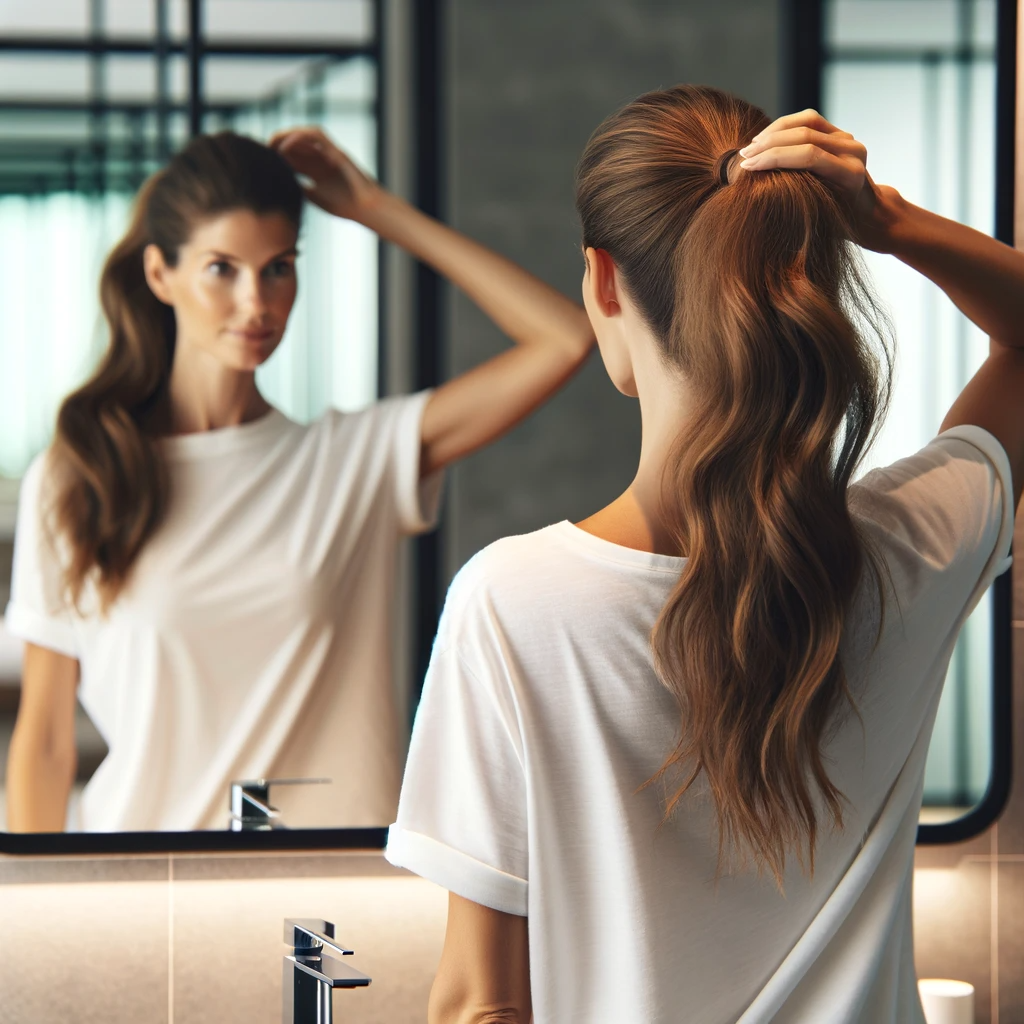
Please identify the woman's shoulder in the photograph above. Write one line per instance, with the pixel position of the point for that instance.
(954, 490)
(521, 581)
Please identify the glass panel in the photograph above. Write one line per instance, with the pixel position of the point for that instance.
(44, 77)
(54, 17)
(290, 21)
(329, 355)
(936, 144)
(238, 80)
(914, 24)
(69, 18)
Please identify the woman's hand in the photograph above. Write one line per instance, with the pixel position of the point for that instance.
(339, 186)
(807, 142)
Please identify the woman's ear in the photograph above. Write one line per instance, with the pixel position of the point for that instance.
(155, 268)
(603, 302)
(601, 282)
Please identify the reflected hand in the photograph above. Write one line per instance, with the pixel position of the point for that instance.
(806, 141)
(339, 186)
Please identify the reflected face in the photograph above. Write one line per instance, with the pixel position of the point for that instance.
(233, 286)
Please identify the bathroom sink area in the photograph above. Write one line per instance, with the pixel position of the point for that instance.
(172, 973)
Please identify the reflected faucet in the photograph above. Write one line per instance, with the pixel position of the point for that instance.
(310, 975)
(250, 803)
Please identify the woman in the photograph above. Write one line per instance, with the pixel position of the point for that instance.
(214, 581)
(669, 761)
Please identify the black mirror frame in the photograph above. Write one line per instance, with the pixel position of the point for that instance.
(804, 58)
(994, 802)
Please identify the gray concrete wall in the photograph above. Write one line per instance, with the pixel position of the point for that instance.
(528, 81)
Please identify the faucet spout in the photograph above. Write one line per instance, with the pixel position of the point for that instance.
(310, 975)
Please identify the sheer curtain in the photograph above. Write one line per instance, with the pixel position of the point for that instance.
(50, 325)
(51, 329)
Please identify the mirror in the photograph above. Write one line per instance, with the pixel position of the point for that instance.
(94, 95)
(82, 125)
(918, 81)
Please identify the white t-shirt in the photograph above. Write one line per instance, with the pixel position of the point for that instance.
(542, 717)
(253, 639)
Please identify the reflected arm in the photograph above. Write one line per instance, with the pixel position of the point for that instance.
(553, 335)
(43, 758)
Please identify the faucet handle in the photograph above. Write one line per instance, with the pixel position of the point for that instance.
(250, 803)
(308, 935)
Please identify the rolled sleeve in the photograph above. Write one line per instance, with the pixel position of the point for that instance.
(418, 500)
(462, 817)
(38, 613)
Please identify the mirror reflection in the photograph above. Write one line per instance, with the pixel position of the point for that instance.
(207, 530)
(205, 561)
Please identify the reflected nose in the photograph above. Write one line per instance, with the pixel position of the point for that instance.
(253, 300)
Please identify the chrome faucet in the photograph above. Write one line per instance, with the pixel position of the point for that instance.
(310, 975)
(250, 803)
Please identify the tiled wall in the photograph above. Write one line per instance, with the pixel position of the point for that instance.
(198, 940)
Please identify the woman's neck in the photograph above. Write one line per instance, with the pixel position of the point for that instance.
(635, 518)
(203, 394)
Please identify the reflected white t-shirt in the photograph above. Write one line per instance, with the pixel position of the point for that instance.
(542, 718)
(253, 639)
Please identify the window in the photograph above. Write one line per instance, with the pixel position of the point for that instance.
(918, 82)
(94, 94)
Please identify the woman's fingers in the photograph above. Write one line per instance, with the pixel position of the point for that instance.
(304, 132)
(837, 143)
(809, 118)
(845, 170)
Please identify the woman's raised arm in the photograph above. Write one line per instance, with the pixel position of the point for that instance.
(553, 334)
(982, 276)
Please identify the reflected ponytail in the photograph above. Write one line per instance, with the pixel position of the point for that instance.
(110, 483)
(755, 293)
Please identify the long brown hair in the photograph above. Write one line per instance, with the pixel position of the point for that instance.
(110, 483)
(755, 293)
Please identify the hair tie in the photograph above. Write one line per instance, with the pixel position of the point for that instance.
(722, 166)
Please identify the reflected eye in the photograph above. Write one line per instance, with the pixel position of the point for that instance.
(280, 268)
(219, 268)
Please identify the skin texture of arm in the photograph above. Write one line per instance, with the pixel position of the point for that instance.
(42, 758)
(553, 335)
(484, 974)
(983, 277)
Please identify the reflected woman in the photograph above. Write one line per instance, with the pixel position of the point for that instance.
(214, 582)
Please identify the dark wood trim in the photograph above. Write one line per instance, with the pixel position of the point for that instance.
(430, 301)
(802, 54)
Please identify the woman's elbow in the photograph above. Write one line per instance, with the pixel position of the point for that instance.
(448, 1006)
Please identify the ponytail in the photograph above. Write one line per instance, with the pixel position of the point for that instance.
(756, 295)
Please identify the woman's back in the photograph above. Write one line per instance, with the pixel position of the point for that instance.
(543, 711)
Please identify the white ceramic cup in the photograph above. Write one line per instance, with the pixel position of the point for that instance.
(947, 1002)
